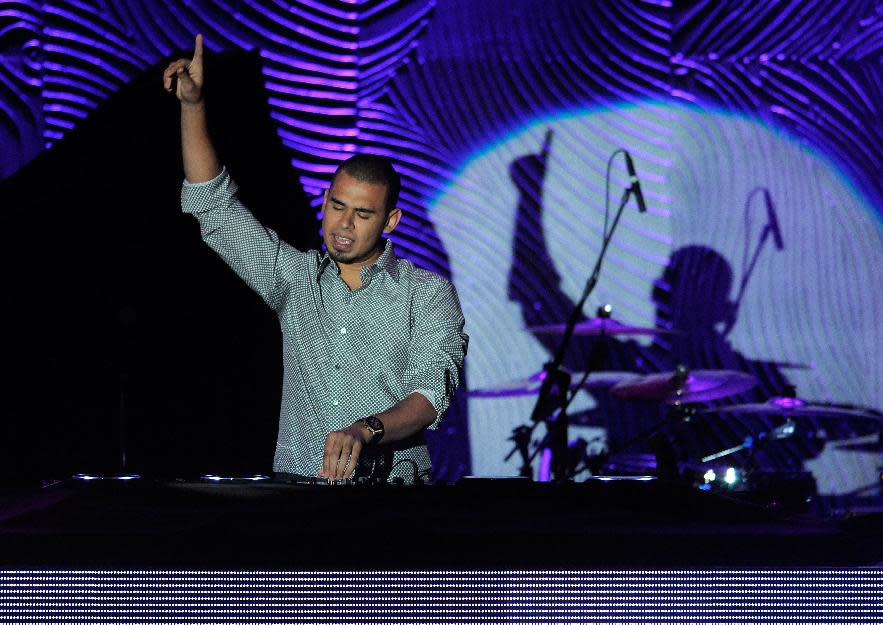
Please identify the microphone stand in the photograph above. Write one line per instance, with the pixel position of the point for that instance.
(556, 383)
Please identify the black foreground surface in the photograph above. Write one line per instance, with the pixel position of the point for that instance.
(474, 524)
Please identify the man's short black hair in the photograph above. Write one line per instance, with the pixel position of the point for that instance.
(374, 169)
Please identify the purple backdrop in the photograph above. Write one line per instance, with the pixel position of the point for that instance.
(739, 116)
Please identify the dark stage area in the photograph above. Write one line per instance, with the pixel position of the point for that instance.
(475, 524)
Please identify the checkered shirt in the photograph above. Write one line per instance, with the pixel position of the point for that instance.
(346, 354)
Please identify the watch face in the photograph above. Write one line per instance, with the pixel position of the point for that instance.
(374, 423)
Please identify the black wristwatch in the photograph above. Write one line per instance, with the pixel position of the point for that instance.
(375, 426)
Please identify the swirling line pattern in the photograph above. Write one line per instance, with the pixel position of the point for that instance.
(804, 66)
(809, 69)
(325, 64)
(20, 84)
(534, 59)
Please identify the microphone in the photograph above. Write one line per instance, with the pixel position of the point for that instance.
(635, 185)
(772, 220)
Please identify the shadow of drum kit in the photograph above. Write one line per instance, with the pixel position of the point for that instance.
(684, 393)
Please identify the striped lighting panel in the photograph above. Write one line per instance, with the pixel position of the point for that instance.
(787, 596)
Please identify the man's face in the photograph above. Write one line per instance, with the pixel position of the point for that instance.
(354, 216)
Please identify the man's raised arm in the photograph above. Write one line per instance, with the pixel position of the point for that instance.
(254, 252)
(186, 78)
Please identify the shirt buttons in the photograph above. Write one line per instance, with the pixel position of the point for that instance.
(343, 330)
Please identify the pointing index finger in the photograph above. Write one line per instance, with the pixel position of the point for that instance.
(197, 49)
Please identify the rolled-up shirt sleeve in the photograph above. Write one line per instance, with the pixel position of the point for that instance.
(252, 250)
(438, 345)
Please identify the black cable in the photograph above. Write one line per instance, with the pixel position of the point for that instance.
(413, 463)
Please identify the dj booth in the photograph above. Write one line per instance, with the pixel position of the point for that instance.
(617, 550)
(478, 523)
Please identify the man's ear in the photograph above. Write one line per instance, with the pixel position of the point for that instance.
(392, 220)
(325, 197)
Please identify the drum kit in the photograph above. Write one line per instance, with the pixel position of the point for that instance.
(682, 392)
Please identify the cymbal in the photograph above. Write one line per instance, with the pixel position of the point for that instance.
(794, 407)
(696, 386)
(599, 326)
(531, 385)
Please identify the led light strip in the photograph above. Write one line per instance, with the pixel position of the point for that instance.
(792, 596)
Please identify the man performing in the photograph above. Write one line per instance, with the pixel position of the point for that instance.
(373, 346)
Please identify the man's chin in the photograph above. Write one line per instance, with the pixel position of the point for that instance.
(351, 258)
(340, 257)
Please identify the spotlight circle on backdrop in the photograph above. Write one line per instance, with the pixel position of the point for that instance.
(707, 177)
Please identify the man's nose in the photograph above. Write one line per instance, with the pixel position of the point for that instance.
(346, 218)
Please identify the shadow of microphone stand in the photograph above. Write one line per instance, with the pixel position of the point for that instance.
(771, 228)
(553, 400)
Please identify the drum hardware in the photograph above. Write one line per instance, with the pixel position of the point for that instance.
(781, 432)
(600, 326)
(668, 387)
(552, 404)
(794, 407)
(643, 464)
(577, 452)
(581, 461)
(666, 463)
(791, 491)
(790, 407)
(529, 386)
(683, 386)
(521, 436)
(554, 387)
(681, 389)
(726, 478)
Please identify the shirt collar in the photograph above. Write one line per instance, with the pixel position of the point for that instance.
(388, 262)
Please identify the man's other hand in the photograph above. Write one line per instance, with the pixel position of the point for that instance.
(342, 451)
